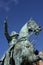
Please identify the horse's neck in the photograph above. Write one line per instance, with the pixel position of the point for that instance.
(24, 31)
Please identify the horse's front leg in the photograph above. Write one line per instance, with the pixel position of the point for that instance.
(33, 58)
(41, 56)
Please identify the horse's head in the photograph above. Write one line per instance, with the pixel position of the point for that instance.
(33, 26)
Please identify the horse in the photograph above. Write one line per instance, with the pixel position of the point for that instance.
(24, 49)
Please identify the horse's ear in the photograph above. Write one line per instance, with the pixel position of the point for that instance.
(30, 19)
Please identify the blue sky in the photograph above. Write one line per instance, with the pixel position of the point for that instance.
(19, 12)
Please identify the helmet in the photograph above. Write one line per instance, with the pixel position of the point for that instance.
(14, 34)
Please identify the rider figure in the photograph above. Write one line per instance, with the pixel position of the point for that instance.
(12, 39)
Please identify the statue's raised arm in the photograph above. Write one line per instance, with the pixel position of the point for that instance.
(9, 38)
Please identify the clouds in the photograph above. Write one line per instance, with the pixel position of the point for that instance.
(6, 4)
